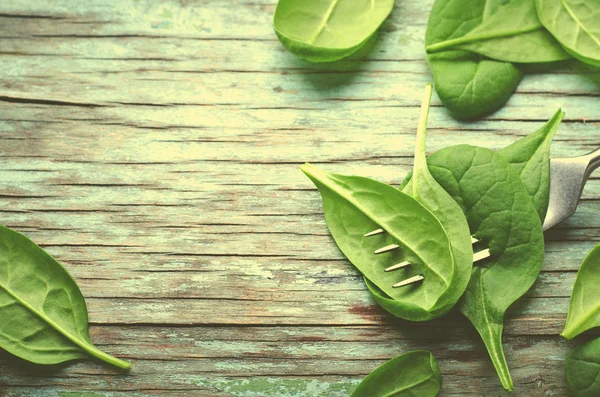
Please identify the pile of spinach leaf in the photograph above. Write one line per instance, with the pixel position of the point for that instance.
(500, 198)
(475, 48)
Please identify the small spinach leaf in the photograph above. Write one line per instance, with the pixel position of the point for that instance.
(44, 317)
(582, 368)
(468, 84)
(432, 196)
(325, 31)
(530, 157)
(501, 214)
(413, 374)
(584, 307)
(574, 23)
(355, 205)
(513, 33)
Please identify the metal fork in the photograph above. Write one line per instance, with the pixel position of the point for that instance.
(567, 179)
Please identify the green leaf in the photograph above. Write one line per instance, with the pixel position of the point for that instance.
(530, 157)
(584, 308)
(582, 369)
(467, 84)
(575, 24)
(432, 196)
(513, 33)
(325, 31)
(44, 317)
(413, 374)
(500, 214)
(354, 206)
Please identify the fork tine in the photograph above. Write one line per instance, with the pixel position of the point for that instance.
(474, 240)
(408, 281)
(374, 232)
(398, 266)
(387, 248)
(481, 255)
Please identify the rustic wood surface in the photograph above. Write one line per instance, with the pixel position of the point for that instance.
(153, 148)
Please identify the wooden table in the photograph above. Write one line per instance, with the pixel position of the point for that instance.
(153, 147)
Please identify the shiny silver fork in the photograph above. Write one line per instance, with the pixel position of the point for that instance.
(567, 179)
(478, 256)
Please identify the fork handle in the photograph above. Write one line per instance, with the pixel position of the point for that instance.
(593, 159)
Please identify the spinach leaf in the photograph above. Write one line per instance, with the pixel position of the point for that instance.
(325, 31)
(584, 307)
(513, 33)
(43, 316)
(432, 196)
(574, 23)
(501, 214)
(530, 157)
(468, 84)
(413, 374)
(355, 205)
(582, 368)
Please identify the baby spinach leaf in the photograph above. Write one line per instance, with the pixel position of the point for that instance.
(325, 31)
(413, 374)
(584, 307)
(530, 157)
(513, 33)
(43, 316)
(501, 214)
(354, 206)
(582, 369)
(432, 196)
(574, 23)
(468, 84)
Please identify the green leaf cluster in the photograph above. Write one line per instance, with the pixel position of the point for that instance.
(475, 47)
(500, 198)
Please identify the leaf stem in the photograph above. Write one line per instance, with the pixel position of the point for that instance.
(420, 156)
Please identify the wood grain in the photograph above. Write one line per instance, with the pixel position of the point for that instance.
(153, 148)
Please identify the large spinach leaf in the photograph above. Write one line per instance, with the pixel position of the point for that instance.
(575, 24)
(501, 214)
(430, 194)
(513, 33)
(355, 205)
(467, 83)
(584, 307)
(43, 316)
(583, 370)
(325, 31)
(530, 157)
(413, 374)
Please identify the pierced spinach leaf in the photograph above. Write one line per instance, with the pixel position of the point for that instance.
(413, 374)
(354, 206)
(432, 196)
(530, 157)
(468, 84)
(513, 33)
(574, 23)
(43, 316)
(584, 307)
(501, 214)
(582, 368)
(325, 31)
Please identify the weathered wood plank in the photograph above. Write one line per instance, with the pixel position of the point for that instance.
(153, 148)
